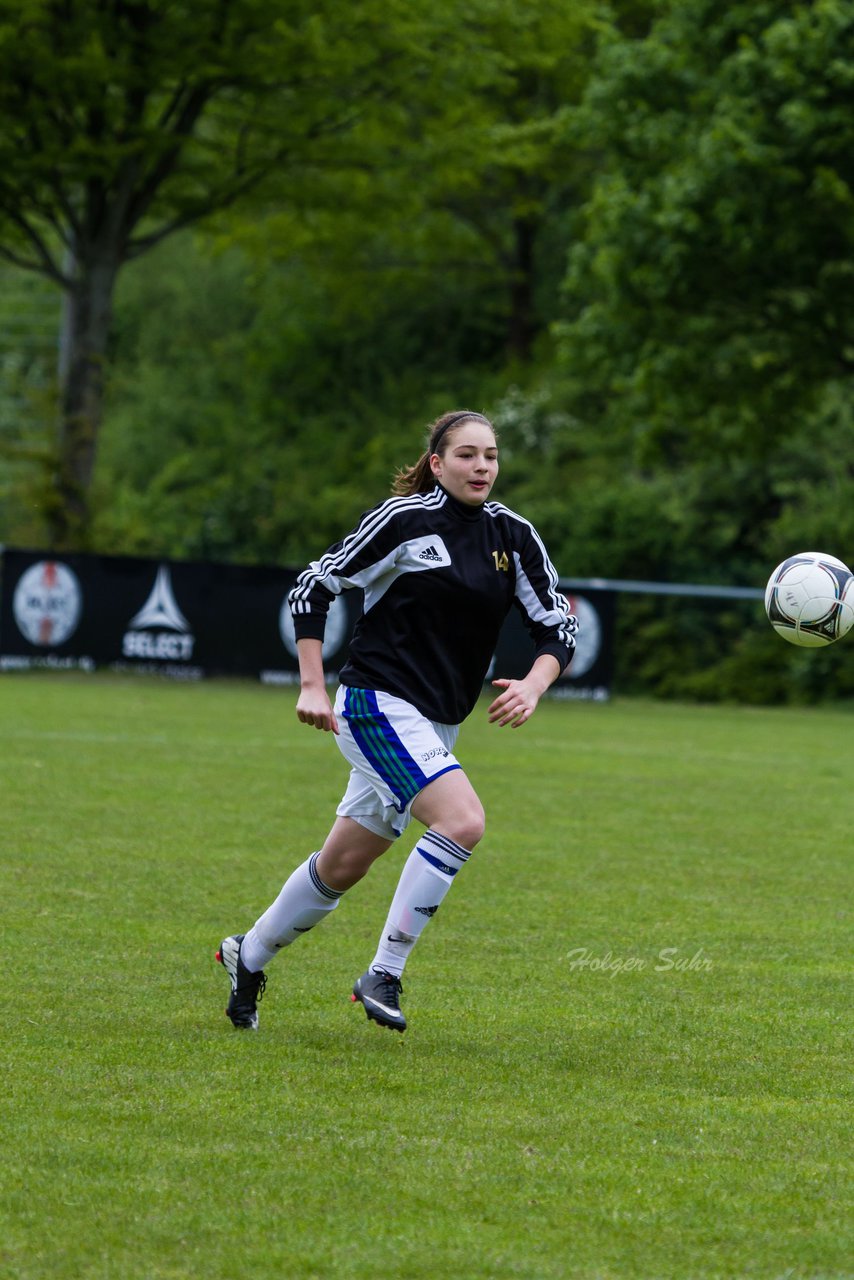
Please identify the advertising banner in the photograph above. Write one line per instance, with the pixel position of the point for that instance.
(590, 674)
(189, 620)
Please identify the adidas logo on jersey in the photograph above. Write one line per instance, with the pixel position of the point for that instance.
(430, 553)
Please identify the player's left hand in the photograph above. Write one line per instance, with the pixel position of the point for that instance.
(515, 705)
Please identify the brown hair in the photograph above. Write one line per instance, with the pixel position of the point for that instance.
(419, 478)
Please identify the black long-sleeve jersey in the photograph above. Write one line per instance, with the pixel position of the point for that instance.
(439, 577)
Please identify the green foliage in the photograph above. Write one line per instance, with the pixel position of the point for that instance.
(120, 124)
(712, 288)
(29, 324)
(626, 233)
(708, 335)
(272, 410)
(137, 118)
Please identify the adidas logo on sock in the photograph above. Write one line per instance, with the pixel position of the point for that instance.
(427, 911)
(430, 553)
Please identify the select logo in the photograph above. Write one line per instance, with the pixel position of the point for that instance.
(159, 631)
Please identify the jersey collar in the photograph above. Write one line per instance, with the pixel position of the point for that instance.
(462, 510)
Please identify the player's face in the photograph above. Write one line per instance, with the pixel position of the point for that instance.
(469, 465)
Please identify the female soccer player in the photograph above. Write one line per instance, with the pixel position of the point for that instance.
(440, 567)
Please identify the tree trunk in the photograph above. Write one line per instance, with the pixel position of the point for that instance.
(87, 318)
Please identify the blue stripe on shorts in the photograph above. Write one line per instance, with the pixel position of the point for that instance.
(381, 747)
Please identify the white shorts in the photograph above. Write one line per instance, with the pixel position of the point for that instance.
(393, 752)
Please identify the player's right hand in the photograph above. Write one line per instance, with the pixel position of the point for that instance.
(314, 708)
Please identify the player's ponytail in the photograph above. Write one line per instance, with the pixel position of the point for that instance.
(419, 477)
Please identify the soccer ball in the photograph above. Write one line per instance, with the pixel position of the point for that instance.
(810, 599)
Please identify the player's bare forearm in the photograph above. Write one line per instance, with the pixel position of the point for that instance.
(313, 705)
(519, 699)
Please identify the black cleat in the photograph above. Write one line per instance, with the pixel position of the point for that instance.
(246, 988)
(380, 992)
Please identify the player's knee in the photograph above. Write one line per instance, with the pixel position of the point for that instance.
(450, 806)
(467, 825)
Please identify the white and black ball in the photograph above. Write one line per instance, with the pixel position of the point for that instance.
(809, 599)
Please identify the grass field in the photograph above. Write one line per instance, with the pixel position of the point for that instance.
(629, 1026)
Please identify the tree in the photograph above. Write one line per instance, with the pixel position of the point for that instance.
(393, 283)
(474, 178)
(711, 297)
(515, 168)
(707, 349)
(122, 121)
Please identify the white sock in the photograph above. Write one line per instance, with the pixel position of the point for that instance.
(425, 879)
(303, 902)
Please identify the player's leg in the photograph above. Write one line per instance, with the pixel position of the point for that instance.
(307, 897)
(348, 853)
(359, 835)
(313, 890)
(450, 809)
(450, 806)
(452, 813)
